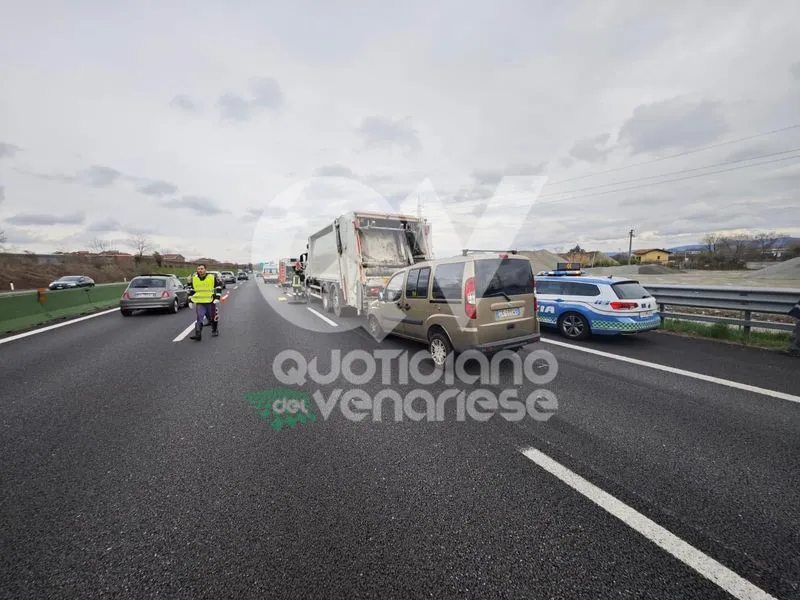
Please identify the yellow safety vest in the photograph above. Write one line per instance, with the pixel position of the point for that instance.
(203, 288)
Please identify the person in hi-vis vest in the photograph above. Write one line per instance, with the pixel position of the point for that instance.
(204, 292)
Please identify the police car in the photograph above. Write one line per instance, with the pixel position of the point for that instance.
(580, 306)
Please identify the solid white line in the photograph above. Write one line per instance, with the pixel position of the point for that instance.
(236, 287)
(184, 333)
(19, 336)
(687, 554)
(323, 317)
(701, 376)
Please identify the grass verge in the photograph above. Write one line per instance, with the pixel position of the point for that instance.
(771, 340)
(28, 323)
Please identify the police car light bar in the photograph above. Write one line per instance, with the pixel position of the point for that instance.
(557, 273)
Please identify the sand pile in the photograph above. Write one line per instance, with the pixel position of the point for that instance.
(542, 260)
(788, 269)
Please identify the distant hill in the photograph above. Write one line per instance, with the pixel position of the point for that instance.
(780, 242)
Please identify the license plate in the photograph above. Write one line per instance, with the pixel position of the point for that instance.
(507, 313)
(647, 314)
(147, 294)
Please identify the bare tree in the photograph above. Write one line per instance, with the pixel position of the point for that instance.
(141, 245)
(3, 239)
(766, 241)
(158, 258)
(711, 240)
(99, 245)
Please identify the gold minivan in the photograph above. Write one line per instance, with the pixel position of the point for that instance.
(482, 302)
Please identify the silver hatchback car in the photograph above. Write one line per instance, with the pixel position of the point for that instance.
(154, 292)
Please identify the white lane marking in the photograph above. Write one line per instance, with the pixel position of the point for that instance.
(184, 333)
(323, 317)
(236, 287)
(19, 336)
(701, 376)
(684, 552)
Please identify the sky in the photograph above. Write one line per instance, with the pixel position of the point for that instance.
(235, 130)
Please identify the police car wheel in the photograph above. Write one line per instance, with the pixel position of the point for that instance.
(574, 326)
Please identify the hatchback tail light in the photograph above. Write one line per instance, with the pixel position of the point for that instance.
(470, 307)
(126, 295)
(623, 305)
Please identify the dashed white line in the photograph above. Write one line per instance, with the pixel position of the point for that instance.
(692, 374)
(184, 333)
(684, 552)
(19, 336)
(323, 317)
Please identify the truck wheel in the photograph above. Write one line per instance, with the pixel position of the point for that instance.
(326, 300)
(338, 302)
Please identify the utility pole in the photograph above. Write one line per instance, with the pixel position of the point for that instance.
(630, 246)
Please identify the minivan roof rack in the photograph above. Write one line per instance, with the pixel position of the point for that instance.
(466, 251)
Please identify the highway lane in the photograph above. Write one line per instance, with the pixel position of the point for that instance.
(133, 464)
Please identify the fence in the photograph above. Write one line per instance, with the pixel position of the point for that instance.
(770, 301)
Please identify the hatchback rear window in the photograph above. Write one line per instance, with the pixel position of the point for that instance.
(630, 290)
(497, 276)
(148, 283)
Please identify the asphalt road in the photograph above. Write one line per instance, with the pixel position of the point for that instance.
(134, 466)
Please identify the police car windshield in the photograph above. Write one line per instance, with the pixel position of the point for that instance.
(497, 277)
(630, 290)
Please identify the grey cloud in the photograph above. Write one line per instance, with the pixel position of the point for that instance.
(183, 102)
(2, 193)
(105, 226)
(76, 218)
(384, 131)
(197, 204)
(100, 176)
(158, 188)
(8, 150)
(593, 149)
(267, 93)
(16, 237)
(795, 70)
(492, 177)
(673, 125)
(268, 212)
(234, 108)
(334, 171)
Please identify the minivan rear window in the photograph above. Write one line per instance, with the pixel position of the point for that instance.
(497, 276)
(630, 290)
(146, 282)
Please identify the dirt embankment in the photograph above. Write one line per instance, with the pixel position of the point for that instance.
(29, 273)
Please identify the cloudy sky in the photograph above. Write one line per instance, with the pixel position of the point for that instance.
(234, 129)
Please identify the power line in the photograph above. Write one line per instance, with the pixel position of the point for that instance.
(767, 162)
(679, 154)
(722, 164)
(679, 172)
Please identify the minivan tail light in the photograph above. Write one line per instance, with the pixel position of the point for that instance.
(623, 305)
(470, 308)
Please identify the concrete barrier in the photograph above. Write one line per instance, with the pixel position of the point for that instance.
(24, 310)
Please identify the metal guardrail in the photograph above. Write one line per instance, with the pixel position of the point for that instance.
(747, 300)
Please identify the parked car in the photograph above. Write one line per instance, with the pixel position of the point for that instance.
(228, 277)
(482, 302)
(154, 292)
(71, 281)
(580, 306)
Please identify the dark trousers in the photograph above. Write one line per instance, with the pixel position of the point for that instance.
(208, 310)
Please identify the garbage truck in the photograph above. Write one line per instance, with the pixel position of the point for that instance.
(348, 262)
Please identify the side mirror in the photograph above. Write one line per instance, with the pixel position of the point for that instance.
(381, 295)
